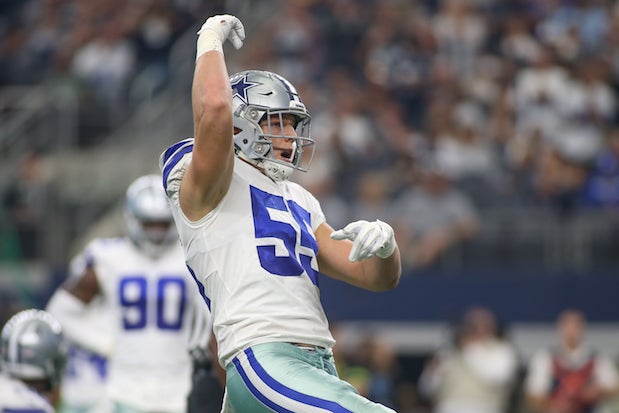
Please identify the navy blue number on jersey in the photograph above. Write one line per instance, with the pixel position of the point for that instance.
(300, 255)
(133, 292)
(78, 358)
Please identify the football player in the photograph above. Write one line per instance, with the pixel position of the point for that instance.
(256, 242)
(147, 291)
(83, 381)
(32, 359)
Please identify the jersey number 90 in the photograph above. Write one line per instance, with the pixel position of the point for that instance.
(166, 304)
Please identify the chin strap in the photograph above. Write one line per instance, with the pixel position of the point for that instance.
(274, 170)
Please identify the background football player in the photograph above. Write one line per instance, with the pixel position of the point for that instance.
(146, 288)
(32, 358)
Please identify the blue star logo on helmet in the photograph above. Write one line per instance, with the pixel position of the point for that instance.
(239, 88)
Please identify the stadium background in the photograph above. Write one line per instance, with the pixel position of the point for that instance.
(91, 92)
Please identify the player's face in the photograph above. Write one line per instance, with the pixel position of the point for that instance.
(283, 147)
(156, 231)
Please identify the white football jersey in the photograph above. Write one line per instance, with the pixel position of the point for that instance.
(83, 381)
(255, 255)
(150, 302)
(16, 397)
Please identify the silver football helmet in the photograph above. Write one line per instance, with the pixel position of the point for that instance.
(32, 347)
(260, 96)
(148, 216)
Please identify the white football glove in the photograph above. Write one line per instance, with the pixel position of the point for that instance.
(369, 239)
(216, 30)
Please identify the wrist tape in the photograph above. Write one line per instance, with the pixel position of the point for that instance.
(208, 40)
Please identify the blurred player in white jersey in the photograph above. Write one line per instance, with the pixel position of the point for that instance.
(32, 358)
(257, 242)
(149, 295)
(83, 382)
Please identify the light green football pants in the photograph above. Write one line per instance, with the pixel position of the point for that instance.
(282, 377)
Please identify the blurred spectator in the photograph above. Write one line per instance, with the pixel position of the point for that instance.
(384, 372)
(295, 41)
(538, 90)
(602, 186)
(570, 377)
(432, 217)
(397, 51)
(461, 32)
(517, 42)
(466, 153)
(476, 375)
(587, 108)
(557, 181)
(20, 66)
(26, 203)
(344, 23)
(107, 62)
(560, 20)
(371, 367)
(408, 400)
(574, 28)
(373, 196)
(156, 29)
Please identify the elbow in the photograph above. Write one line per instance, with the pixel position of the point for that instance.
(215, 105)
(396, 280)
(394, 272)
(393, 281)
(388, 281)
(213, 114)
(211, 100)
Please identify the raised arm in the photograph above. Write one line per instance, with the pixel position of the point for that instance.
(364, 254)
(208, 175)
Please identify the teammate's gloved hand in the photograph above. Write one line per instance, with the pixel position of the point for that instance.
(369, 239)
(216, 30)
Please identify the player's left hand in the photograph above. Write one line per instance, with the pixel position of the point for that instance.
(369, 239)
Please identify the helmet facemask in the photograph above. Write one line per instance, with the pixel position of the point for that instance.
(148, 217)
(268, 101)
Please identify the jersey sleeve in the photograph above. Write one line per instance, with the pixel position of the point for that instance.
(173, 164)
(82, 260)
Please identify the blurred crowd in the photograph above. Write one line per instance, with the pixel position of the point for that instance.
(438, 110)
(479, 370)
(108, 56)
(447, 106)
(427, 113)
